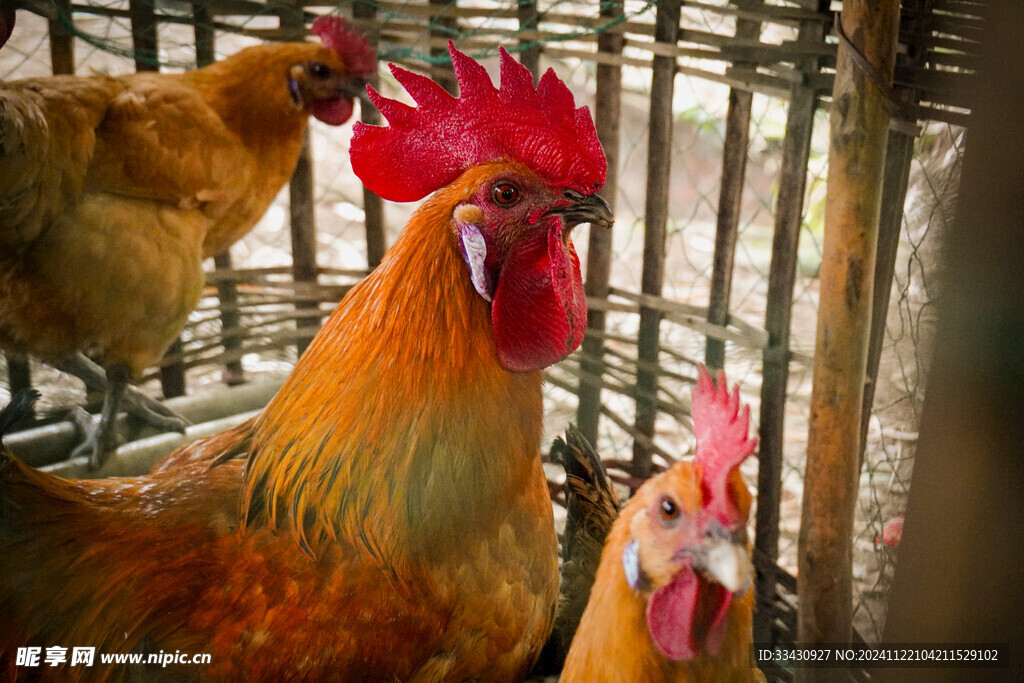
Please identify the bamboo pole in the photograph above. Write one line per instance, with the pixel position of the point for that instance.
(859, 129)
(444, 26)
(528, 19)
(734, 168)
(62, 43)
(898, 158)
(607, 120)
(144, 35)
(659, 157)
(776, 355)
(373, 206)
(303, 227)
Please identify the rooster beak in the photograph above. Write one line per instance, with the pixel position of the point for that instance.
(723, 557)
(728, 564)
(583, 209)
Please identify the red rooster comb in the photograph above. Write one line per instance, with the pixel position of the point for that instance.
(348, 41)
(722, 444)
(426, 147)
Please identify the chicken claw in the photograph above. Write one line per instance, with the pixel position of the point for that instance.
(101, 438)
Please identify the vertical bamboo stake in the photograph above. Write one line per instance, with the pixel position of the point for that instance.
(659, 156)
(859, 129)
(899, 155)
(144, 36)
(373, 206)
(303, 229)
(781, 279)
(734, 168)
(444, 28)
(62, 43)
(528, 19)
(607, 116)
(301, 207)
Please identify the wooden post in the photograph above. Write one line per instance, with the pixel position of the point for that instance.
(144, 35)
(899, 155)
(607, 116)
(62, 43)
(659, 155)
(528, 20)
(796, 148)
(172, 375)
(202, 25)
(859, 130)
(445, 28)
(230, 321)
(303, 224)
(301, 205)
(959, 579)
(373, 206)
(734, 168)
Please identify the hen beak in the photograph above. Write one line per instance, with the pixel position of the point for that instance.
(583, 209)
(726, 562)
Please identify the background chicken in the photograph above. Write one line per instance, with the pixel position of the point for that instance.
(391, 519)
(671, 600)
(114, 189)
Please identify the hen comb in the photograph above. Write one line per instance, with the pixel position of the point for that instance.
(428, 146)
(721, 429)
(348, 41)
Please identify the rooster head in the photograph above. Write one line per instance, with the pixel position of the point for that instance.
(528, 164)
(328, 84)
(688, 544)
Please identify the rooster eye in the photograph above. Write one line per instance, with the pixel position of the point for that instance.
(669, 509)
(319, 69)
(505, 194)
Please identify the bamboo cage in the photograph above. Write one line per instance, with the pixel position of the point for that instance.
(736, 45)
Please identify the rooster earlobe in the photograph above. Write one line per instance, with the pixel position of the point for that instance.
(474, 251)
(631, 564)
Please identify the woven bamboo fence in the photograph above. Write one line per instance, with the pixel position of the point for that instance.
(637, 361)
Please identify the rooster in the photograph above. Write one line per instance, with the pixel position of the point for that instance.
(386, 516)
(671, 599)
(114, 189)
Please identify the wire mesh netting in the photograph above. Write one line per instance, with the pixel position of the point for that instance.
(414, 34)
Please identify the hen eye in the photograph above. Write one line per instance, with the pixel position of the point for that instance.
(319, 69)
(505, 194)
(669, 509)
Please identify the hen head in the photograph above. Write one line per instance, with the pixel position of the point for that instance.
(521, 166)
(687, 552)
(327, 85)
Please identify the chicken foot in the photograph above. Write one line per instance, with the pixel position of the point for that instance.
(101, 439)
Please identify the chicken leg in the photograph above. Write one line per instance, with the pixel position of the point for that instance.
(102, 439)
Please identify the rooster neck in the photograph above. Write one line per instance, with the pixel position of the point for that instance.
(398, 427)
